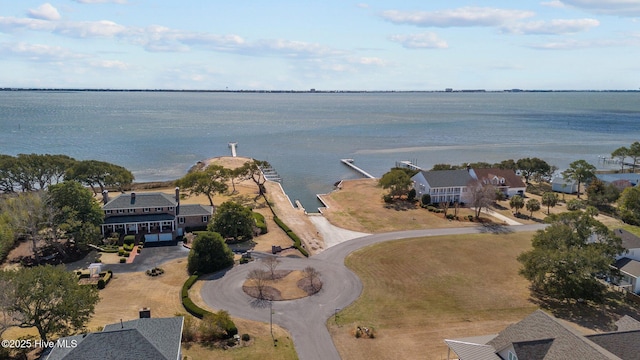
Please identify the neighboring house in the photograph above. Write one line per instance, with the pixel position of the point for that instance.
(155, 216)
(559, 184)
(629, 262)
(540, 336)
(505, 180)
(144, 338)
(442, 185)
(621, 181)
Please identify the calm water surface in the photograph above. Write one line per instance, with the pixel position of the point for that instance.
(160, 135)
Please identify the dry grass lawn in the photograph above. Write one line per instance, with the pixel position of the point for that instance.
(418, 292)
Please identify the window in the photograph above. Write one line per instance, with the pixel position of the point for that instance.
(511, 356)
(120, 211)
(145, 209)
(131, 210)
(107, 212)
(205, 219)
(180, 220)
(170, 208)
(159, 209)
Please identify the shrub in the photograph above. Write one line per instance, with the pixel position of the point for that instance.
(245, 337)
(425, 199)
(129, 240)
(123, 260)
(127, 247)
(470, 217)
(431, 208)
(126, 254)
(260, 223)
(120, 252)
(282, 225)
(451, 216)
(193, 309)
(297, 243)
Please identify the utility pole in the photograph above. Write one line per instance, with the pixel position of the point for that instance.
(271, 321)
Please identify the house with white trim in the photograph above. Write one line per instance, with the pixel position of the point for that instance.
(443, 185)
(628, 263)
(502, 179)
(152, 216)
(561, 185)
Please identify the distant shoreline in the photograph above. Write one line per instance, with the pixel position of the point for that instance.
(314, 91)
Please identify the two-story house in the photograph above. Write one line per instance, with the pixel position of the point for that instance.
(442, 185)
(154, 216)
(502, 179)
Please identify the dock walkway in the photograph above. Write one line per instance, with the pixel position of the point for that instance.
(349, 163)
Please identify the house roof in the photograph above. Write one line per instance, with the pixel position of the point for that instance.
(195, 210)
(533, 350)
(510, 178)
(472, 351)
(629, 240)
(629, 266)
(623, 344)
(562, 181)
(129, 219)
(627, 323)
(541, 326)
(632, 178)
(446, 178)
(149, 338)
(141, 200)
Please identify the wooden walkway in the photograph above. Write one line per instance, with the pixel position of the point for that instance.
(349, 163)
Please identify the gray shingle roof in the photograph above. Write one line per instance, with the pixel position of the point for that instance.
(566, 341)
(623, 344)
(627, 323)
(195, 210)
(471, 351)
(629, 266)
(141, 200)
(447, 178)
(533, 350)
(629, 240)
(150, 338)
(128, 219)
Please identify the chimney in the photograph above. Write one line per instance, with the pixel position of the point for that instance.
(178, 195)
(105, 196)
(133, 197)
(145, 313)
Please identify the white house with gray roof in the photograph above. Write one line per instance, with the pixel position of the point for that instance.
(443, 185)
(154, 216)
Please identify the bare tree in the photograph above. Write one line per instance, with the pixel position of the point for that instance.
(258, 278)
(444, 205)
(312, 274)
(271, 263)
(481, 195)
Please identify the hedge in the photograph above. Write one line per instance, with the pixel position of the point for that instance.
(260, 223)
(129, 239)
(191, 308)
(297, 243)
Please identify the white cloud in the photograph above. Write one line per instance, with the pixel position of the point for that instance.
(553, 3)
(45, 11)
(101, 1)
(110, 64)
(89, 29)
(40, 52)
(465, 16)
(552, 27)
(612, 7)
(375, 61)
(427, 40)
(572, 44)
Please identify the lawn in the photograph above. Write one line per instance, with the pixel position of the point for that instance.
(418, 292)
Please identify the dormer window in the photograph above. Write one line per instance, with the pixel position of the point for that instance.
(511, 356)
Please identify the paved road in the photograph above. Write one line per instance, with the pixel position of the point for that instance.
(305, 318)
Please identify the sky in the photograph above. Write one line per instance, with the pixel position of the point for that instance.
(325, 45)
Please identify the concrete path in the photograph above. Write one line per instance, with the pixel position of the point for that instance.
(306, 318)
(496, 215)
(331, 234)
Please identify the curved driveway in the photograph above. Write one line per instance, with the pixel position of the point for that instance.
(306, 318)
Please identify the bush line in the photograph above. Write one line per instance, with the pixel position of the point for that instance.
(297, 243)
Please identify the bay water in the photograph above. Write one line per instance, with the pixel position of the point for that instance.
(159, 135)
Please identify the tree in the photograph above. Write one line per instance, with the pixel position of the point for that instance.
(579, 171)
(516, 202)
(549, 199)
(621, 154)
(629, 205)
(258, 278)
(533, 167)
(312, 274)
(532, 206)
(425, 199)
(574, 204)
(634, 154)
(233, 220)
(99, 173)
(271, 263)
(210, 181)
(49, 299)
(568, 254)
(600, 194)
(209, 253)
(481, 195)
(397, 181)
(253, 170)
(26, 217)
(76, 212)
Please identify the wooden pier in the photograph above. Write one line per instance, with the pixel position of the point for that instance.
(349, 163)
(232, 146)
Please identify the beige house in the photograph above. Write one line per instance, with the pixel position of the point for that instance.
(152, 216)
